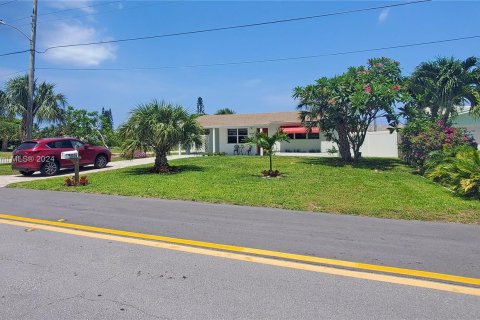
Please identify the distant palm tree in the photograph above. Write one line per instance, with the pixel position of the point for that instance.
(47, 105)
(441, 85)
(267, 143)
(225, 111)
(160, 126)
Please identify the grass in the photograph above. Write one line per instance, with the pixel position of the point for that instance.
(6, 169)
(5, 154)
(375, 187)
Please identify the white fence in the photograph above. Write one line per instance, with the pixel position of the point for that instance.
(380, 144)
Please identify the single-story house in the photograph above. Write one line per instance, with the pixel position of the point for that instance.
(465, 120)
(227, 134)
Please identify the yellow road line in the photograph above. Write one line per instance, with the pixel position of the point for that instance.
(267, 253)
(255, 259)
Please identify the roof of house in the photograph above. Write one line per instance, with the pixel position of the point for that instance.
(248, 119)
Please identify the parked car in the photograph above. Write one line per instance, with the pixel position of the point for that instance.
(44, 155)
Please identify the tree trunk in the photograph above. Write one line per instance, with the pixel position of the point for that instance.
(24, 127)
(4, 144)
(357, 156)
(161, 163)
(343, 145)
(271, 168)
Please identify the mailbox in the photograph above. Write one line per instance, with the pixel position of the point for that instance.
(67, 155)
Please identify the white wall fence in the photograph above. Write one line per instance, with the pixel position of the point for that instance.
(380, 144)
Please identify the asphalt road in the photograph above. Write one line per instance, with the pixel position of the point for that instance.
(55, 276)
(50, 275)
(438, 247)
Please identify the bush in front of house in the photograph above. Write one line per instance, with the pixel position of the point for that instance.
(421, 137)
(457, 169)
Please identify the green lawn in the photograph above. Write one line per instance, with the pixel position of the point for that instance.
(5, 154)
(375, 187)
(6, 169)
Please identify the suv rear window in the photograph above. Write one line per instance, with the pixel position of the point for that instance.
(27, 145)
(67, 144)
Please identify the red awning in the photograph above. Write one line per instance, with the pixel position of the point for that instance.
(298, 130)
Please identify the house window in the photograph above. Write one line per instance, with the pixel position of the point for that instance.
(291, 136)
(237, 135)
(312, 135)
(300, 136)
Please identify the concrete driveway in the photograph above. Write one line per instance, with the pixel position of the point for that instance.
(8, 179)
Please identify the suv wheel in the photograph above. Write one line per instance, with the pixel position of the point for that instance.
(27, 173)
(50, 168)
(101, 161)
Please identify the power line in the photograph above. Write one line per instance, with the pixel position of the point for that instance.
(69, 9)
(235, 27)
(102, 12)
(7, 2)
(96, 13)
(226, 28)
(273, 59)
(12, 53)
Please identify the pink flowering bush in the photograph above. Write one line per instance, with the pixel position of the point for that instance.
(421, 137)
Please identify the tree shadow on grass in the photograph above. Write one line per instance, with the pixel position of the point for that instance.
(146, 170)
(383, 164)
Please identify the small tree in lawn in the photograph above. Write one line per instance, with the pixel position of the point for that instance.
(346, 105)
(159, 126)
(267, 143)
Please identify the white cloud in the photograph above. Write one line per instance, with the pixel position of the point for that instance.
(382, 17)
(82, 5)
(63, 33)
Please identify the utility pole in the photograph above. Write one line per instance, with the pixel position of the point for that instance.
(31, 73)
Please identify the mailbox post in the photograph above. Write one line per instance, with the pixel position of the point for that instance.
(73, 156)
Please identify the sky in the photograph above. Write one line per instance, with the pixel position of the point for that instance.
(245, 88)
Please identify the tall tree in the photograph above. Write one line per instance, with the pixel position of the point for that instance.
(344, 106)
(225, 111)
(9, 130)
(439, 87)
(159, 126)
(47, 104)
(200, 106)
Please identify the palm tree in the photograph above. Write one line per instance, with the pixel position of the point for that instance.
(267, 143)
(225, 111)
(439, 86)
(47, 105)
(159, 126)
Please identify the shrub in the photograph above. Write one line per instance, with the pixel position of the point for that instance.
(332, 150)
(70, 181)
(272, 174)
(458, 169)
(422, 137)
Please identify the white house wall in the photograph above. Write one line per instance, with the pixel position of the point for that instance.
(226, 147)
(377, 144)
(470, 123)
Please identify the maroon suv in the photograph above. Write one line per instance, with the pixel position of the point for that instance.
(44, 155)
